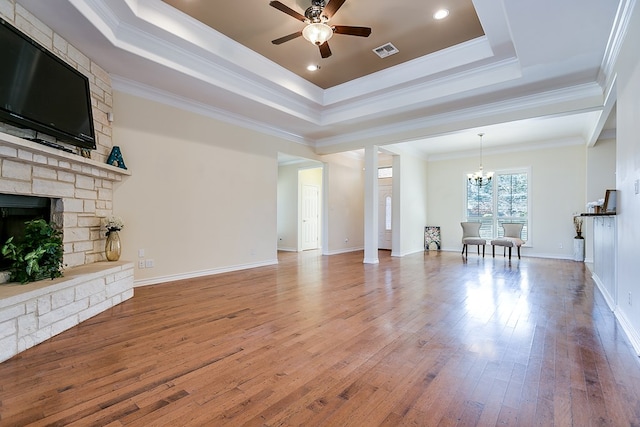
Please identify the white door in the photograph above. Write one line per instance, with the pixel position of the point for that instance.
(384, 216)
(309, 217)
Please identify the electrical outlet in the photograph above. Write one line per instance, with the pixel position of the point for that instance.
(141, 263)
(346, 240)
(148, 263)
(140, 253)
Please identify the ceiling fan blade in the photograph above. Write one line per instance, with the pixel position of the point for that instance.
(287, 38)
(352, 31)
(286, 9)
(325, 52)
(332, 7)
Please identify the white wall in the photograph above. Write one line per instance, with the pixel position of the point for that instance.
(202, 195)
(345, 203)
(412, 184)
(557, 191)
(601, 176)
(627, 172)
(601, 169)
(288, 208)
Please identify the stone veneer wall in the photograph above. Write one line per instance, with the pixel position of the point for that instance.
(99, 80)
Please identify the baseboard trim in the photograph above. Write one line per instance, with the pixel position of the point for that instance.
(629, 330)
(201, 273)
(603, 291)
(343, 251)
(627, 327)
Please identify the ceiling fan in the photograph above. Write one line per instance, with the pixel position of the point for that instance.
(317, 30)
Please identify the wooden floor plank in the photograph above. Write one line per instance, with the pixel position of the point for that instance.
(426, 339)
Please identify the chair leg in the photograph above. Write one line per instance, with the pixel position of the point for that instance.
(518, 252)
(478, 250)
(509, 253)
(493, 250)
(483, 251)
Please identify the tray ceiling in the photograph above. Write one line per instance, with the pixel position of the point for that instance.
(518, 71)
(409, 25)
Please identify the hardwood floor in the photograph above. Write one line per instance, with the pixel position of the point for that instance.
(424, 340)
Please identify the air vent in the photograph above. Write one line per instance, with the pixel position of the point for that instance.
(385, 50)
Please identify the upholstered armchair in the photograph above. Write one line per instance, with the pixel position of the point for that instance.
(471, 236)
(510, 239)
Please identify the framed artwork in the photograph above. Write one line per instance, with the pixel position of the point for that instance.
(610, 201)
(432, 236)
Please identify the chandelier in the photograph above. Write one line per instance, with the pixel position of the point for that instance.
(479, 178)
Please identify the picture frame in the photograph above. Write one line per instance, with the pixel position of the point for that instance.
(432, 236)
(610, 201)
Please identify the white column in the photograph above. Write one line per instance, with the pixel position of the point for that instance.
(325, 209)
(371, 205)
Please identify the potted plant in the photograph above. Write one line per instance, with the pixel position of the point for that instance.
(577, 224)
(38, 255)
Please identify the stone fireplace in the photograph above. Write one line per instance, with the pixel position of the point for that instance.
(81, 194)
(81, 188)
(81, 191)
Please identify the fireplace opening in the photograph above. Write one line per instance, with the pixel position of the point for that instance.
(15, 210)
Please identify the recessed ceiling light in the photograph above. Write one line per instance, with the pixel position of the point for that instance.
(441, 14)
(313, 67)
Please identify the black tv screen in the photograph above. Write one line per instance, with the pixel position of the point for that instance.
(41, 92)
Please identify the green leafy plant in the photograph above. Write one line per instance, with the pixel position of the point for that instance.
(38, 255)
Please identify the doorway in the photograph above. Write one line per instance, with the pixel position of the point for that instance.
(300, 205)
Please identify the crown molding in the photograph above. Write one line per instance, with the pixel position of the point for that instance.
(584, 97)
(411, 72)
(614, 44)
(156, 95)
(495, 151)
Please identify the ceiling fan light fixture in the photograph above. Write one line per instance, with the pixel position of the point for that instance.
(317, 33)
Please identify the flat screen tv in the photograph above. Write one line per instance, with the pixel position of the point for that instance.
(41, 92)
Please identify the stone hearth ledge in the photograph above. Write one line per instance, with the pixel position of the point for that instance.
(34, 312)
